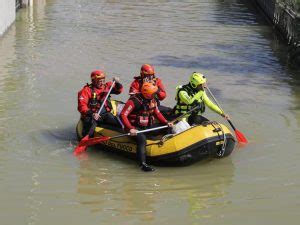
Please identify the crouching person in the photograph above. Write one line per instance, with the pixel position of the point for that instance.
(191, 95)
(139, 113)
(91, 97)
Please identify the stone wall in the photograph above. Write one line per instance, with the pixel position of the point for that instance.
(284, 15)
(7, 14)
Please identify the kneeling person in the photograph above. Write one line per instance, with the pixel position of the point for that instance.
(91, 97)
(139, 113)
(191, 95)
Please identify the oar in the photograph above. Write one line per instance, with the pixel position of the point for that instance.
(80, 147)
(239, 135)
(98, 140)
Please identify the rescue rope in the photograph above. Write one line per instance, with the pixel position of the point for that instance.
(222, 152)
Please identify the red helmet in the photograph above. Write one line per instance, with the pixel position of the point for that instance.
(147, 70)
(148, 90)
(97, 74)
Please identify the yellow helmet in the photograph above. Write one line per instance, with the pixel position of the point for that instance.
(196, 79)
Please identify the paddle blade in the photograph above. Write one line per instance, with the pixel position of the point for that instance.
(240, 137)
(80, 147)
(93, 141)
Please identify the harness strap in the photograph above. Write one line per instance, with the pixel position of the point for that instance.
(95, 103)
(142, 111)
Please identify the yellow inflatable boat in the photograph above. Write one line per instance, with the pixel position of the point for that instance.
(209, 140)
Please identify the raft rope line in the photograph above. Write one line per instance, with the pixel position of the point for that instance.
(222, 152)
(215, 124)
(160, 142)
(164, 138)
(167, 136)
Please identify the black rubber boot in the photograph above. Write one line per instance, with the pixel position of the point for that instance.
(145, 167)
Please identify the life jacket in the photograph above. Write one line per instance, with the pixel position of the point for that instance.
(143, 114)
(96, 100)
(180, 107)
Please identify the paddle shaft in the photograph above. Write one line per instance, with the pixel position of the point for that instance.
(97, 140)
(147, 130)
(183, 115)
(94, 123)
(231, 124)
(233, 127)
(141, 131)
(214, 99)
(239, 135)
(157, 128)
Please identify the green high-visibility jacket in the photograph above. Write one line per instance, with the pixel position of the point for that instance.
(187, 98)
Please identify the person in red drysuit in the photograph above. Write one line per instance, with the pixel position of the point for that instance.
(147, 74)
(90, 99)
(139, 113)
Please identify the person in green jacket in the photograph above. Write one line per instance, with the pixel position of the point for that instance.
(193, 94)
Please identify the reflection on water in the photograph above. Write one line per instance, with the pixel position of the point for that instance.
(46, 57)
(130, 193)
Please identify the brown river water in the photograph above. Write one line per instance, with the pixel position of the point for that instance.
(46, 57)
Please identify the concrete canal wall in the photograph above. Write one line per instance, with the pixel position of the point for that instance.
(7, 14)
(285, 16)
(8, 10)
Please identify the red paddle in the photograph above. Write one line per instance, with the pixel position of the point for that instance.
(84, 143)
(80, 147)
(239, 136)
